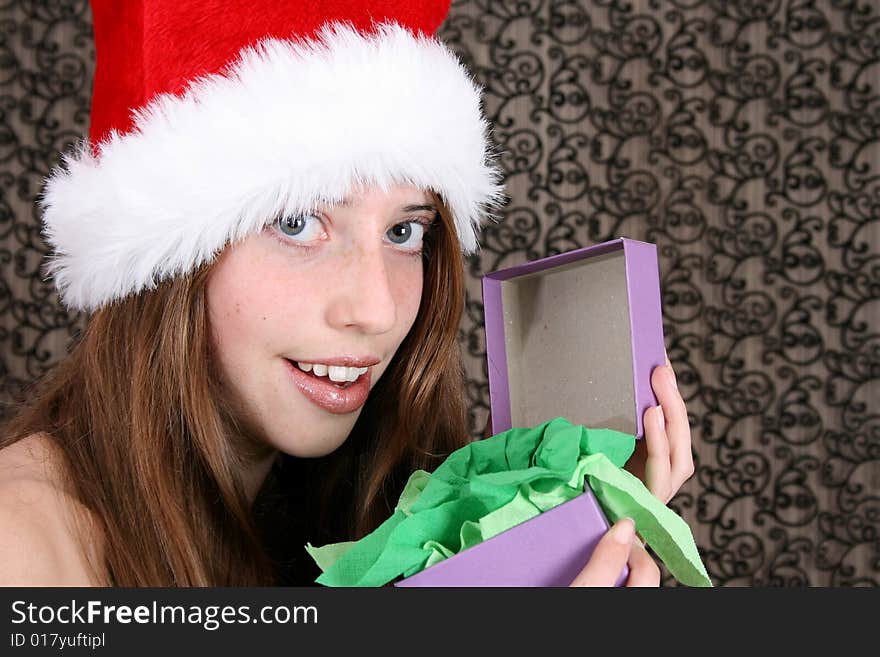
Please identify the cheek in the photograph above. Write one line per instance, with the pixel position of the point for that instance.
(249, 305)
(254, 299)
(408, 291)
(233, 302)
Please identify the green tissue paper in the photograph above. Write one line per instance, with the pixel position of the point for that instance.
(496, 483)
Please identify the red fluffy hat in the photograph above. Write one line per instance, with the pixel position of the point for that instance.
(211, 118)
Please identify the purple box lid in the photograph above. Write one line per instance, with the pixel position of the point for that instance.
(609, 393)
(548, 550)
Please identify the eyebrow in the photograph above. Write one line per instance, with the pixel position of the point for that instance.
(430, 207)
(420, 208)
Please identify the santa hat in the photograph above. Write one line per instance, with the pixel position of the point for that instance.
(210, 118)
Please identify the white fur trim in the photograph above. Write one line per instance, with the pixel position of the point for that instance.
(288, 125)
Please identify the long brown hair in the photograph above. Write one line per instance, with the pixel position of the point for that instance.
(147, 437)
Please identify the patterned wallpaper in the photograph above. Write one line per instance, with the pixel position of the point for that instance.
(743, 138)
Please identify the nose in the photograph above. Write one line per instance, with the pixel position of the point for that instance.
(361, 295)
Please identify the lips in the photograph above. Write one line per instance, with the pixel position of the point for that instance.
(327, 395)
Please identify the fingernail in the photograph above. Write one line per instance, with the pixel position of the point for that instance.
(624, 531)
(660, 418)
(671, 374)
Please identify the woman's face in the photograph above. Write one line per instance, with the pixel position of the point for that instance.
(313, 298)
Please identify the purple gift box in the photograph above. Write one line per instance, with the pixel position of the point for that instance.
(548, 550)
(575, 335)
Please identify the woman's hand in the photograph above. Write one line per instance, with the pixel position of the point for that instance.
(619, 546)
(663, 460)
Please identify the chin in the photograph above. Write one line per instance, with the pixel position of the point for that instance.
(315, 444)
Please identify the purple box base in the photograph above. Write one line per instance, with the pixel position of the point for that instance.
(645, 325)
(548, 551)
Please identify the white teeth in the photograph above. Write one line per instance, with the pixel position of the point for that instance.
(337, 373)
(354, 372)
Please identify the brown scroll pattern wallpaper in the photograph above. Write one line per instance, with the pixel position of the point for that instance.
(742, 137)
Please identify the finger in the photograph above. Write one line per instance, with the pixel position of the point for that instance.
(658, 473)
(609, 557)
(643, 570)
(666, 389)
(678, 431)
(682, 453)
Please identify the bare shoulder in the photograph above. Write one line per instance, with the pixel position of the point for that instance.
(39, 540)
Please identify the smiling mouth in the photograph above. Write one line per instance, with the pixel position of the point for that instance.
(336, 397)
(340, 376)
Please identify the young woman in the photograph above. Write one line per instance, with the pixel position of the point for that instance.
(272, 345)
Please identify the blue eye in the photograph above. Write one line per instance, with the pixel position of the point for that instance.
(301, 227)
(407, 233)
